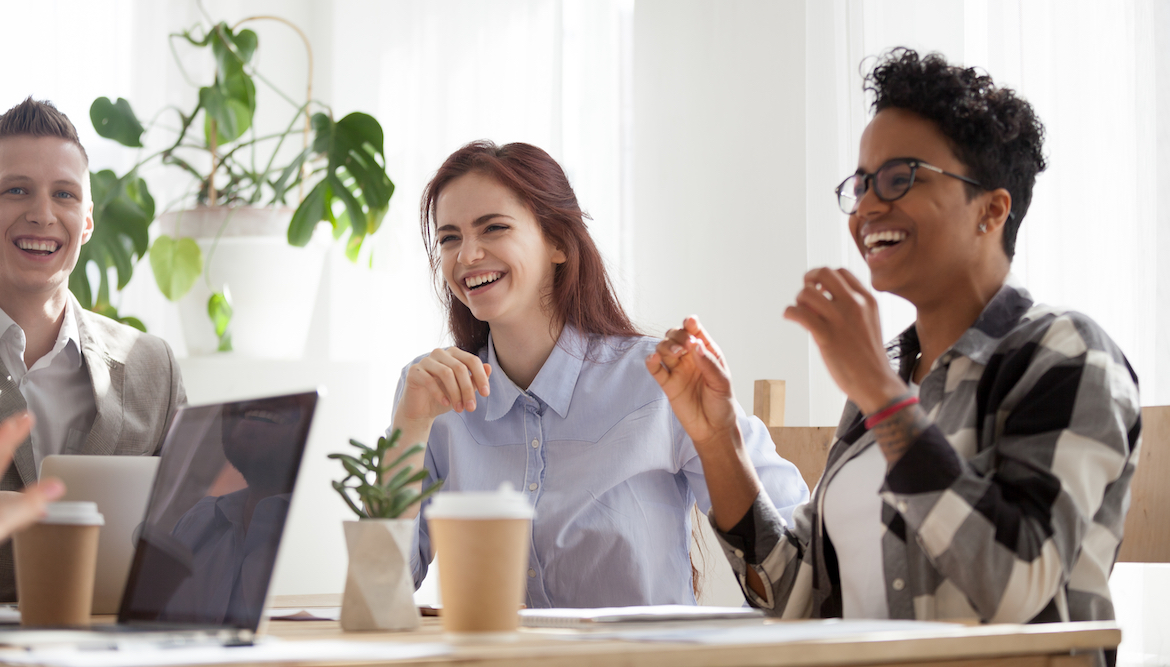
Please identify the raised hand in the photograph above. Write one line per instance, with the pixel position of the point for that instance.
(446, 379)
(690, 368)
(842, 316)
(19, 510)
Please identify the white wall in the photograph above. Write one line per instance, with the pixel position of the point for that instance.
(719, 180)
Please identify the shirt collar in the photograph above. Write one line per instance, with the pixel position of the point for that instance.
(998, 318)
(69, 332)
(553, 385)
(6, 323)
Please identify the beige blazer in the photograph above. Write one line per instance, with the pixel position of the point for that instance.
(137, 386)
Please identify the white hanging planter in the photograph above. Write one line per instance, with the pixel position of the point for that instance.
(379, 587)
(273, 285)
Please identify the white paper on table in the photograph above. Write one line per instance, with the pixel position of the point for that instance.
(774, 633)
(267, 651)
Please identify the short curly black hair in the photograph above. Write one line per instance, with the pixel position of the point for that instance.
(995, 133)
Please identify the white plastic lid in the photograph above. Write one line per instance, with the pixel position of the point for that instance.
(73, 513)
(504, 503)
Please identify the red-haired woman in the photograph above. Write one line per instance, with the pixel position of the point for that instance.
(545, 389)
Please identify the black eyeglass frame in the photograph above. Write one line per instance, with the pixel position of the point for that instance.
(868, 181)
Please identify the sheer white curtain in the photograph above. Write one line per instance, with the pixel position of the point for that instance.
(1092, 236)
(441, 74)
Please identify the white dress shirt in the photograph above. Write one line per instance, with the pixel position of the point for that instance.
(57, 389)
(612, 475)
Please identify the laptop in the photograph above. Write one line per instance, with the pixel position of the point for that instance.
(120, 485)
(213, 524)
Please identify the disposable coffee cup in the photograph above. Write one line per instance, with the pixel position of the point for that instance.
(55, 563)
(482, 541)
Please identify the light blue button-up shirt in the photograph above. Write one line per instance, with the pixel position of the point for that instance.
(610, 471)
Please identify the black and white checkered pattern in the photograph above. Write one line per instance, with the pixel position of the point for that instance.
(1009, 508)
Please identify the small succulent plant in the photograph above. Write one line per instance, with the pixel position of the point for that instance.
(383, 490)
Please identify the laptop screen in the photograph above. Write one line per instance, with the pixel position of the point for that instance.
(217, 510)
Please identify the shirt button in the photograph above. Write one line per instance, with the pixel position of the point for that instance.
(532, 487)
(531, 572)
(535, 443)
(898, 584)
(739, 553)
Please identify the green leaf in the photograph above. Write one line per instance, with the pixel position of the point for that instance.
(176, 263)
(132, 322)
(219, 308)
(231, 51)
(432, 489)
(322, 133)
(352, 465)
(357, 217)
(353, 247)
(341, 490)
(290, 175)
(246, 43)
(411, 451)
(240, 87)
(232, 116)
(356, 173)
(355, 443)
(116, 120)
(308, 214)
(399, 478)
(123, 211)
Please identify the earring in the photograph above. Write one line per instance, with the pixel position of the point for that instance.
(983, 228)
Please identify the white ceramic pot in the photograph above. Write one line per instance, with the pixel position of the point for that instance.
(273, 285)
(379, 587)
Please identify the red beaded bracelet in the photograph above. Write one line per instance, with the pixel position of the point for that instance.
(881, 415)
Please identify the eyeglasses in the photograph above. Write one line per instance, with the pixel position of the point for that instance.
(890, 182)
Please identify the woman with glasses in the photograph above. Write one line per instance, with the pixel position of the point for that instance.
(545, 389)
(982, 464)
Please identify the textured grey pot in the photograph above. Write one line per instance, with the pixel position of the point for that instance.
(379, 588)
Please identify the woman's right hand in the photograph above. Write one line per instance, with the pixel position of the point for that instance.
(690, 368)
(445, 379)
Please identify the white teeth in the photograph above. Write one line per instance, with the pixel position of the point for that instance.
(43, 246)
(476, 281)
(890, 236)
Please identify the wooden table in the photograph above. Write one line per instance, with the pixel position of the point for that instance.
(1048, 645)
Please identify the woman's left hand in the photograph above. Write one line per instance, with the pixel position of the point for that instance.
(842, 316)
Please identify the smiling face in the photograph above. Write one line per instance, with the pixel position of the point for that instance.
(494, 257)
(925, 243)
(45, 215)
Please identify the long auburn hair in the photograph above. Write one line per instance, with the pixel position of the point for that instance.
(582, 294)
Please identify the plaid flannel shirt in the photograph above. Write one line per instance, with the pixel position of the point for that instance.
(1009, 508)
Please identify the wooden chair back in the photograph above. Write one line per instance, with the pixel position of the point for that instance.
(1147, 526)
(807, 447)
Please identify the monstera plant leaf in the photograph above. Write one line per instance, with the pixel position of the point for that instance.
(355, 176)
(116, 120)
(122, 212)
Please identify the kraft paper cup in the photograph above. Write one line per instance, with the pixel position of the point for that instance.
(482, 541)
(55, 563)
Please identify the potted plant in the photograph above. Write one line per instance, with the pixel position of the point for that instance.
(379, 586)
(243, 182)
